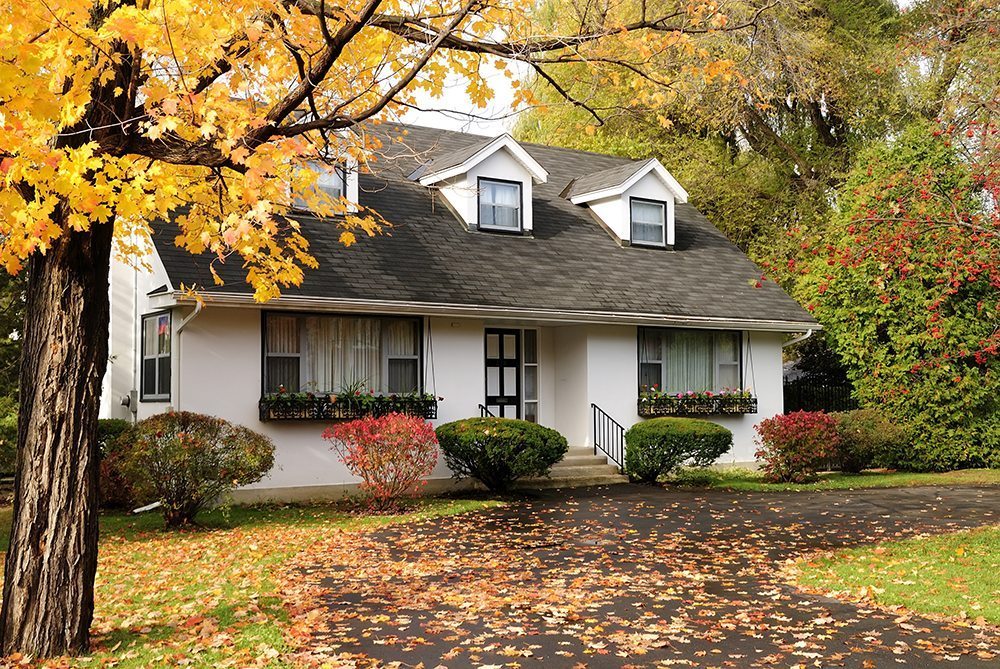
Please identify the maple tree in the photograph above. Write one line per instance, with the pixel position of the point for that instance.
(114, 114)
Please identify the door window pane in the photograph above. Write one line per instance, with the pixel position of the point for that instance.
(531, 411)
(492, 346)
(510, 381)
(493, 381)
(530, 346)
(530, 382)
(510, 346)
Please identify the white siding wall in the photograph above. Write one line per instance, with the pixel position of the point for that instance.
(217, 370)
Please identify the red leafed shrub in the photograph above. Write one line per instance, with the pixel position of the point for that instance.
(794, 445)
(391, 455)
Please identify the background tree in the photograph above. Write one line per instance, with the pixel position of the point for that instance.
(115, 113)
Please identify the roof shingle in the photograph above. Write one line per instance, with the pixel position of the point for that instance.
(568, 263)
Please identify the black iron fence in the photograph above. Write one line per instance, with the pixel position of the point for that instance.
(818, 397)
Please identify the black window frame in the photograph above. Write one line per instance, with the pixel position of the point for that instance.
(420, 322)
(155, 397)
(631, 223)
(479, 206)
(741, 369)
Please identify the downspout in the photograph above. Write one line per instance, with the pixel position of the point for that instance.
(809, 333)
(180, 328)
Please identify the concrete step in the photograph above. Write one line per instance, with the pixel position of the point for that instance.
(573, 482)
(586, 459)
(585, 471)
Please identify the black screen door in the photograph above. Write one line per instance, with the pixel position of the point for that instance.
(503, 372)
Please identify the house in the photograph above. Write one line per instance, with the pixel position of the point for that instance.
(518, 280)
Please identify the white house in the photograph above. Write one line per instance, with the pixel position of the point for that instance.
(523, 280)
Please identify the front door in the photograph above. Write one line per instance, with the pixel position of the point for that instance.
(503, 372)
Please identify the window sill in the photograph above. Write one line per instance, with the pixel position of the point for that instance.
(307, 406)
(696, 406)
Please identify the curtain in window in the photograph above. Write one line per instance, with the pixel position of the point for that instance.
(647, 222)
(689, 361)
(402, 367)
(500, 204)
(650, 358)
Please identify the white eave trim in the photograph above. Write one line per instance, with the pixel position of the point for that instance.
(505, 141)
(303, 303)
(651, 165)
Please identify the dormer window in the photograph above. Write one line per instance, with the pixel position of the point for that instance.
(499, 205)
(338, 181)
(648, 222)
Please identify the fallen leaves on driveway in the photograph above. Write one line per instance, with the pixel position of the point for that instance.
(629, 577)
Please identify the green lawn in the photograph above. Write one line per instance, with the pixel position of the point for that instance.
(208, 597)
(953, 574)
(743, 479)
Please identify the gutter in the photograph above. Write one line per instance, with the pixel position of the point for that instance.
(198, 306)
(305, 303)
(796, 340)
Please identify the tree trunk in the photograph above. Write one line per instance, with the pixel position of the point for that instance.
(48, 589)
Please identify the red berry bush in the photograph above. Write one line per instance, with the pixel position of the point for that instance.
(795, 445)
(391, 454)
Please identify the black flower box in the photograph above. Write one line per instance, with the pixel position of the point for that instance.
(718, 405)
(308, 406)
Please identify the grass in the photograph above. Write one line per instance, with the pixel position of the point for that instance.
(209, 597)
(747, 480)
(954, 575)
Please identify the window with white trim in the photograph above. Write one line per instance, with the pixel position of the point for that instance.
(154, 379)
(331, 182)
(499, 204)
(678, 361)
(648, 222)
(331, 354)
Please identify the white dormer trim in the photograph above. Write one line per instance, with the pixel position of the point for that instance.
(652, 165)
(503, 142)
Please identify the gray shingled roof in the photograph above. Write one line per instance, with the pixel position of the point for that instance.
(569, 263)
(588, 183)
(445, 160)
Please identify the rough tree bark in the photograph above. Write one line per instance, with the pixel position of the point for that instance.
(50, 566)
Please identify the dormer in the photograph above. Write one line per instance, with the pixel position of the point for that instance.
(487, 184)
(336, 180)
(634, 202)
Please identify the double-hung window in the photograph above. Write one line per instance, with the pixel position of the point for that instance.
(648, 222)
(333, 354)
(155, 371)
(499, 205)
(331, 182)
(678, 361)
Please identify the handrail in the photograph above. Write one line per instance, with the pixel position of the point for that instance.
(609, 436)
(484, 412)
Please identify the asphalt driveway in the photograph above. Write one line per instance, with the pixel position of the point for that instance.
(632, 576)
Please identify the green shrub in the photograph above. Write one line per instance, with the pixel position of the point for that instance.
(498, 451)
(187, 460)
(868, 438)
(661, 445)
(8, 434)
(113, 485)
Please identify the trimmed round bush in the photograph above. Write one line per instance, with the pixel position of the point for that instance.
(498, 451)
(114, 487)
(187, 460)
(867, 439)
(794, 446)
(660, 445)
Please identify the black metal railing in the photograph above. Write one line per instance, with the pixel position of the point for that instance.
(484, 412)
(818, 397)
(302, 406)
(609, 437)
(666, 405)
